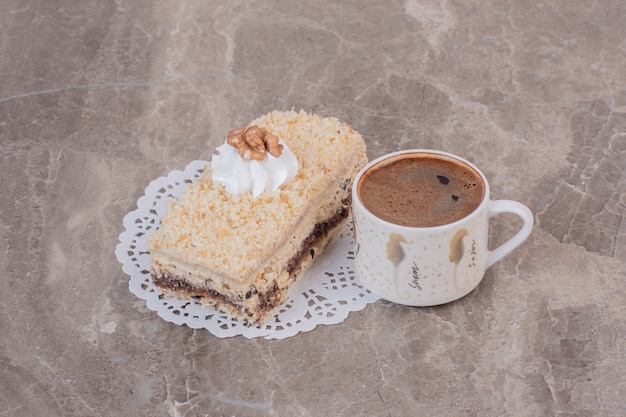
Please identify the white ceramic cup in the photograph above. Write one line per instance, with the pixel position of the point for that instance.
(426, 266)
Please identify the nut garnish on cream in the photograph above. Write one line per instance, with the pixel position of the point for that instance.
(253, 142)
(253, 160)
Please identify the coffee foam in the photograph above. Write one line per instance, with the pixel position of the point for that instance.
(421, 189)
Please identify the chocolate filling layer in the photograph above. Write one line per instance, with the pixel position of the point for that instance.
(319, 232)
(270, 298)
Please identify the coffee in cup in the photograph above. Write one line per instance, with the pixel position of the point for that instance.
(421, 189)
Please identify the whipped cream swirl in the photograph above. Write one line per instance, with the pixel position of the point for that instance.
(241, 175)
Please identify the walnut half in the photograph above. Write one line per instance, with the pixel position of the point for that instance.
(253, 142)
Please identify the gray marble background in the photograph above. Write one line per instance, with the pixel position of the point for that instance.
(97, 98)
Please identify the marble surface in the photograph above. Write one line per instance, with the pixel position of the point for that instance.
(97, 98)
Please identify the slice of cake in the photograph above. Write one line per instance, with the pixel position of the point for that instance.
(242, 233)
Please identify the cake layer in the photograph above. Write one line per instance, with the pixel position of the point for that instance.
(240, 254)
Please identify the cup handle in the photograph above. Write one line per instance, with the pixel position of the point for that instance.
(509, 206)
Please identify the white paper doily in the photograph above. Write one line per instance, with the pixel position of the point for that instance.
(325, 294)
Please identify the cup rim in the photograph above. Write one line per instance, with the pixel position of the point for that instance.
(356, 200)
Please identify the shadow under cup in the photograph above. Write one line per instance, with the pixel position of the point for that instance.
(421, 222)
